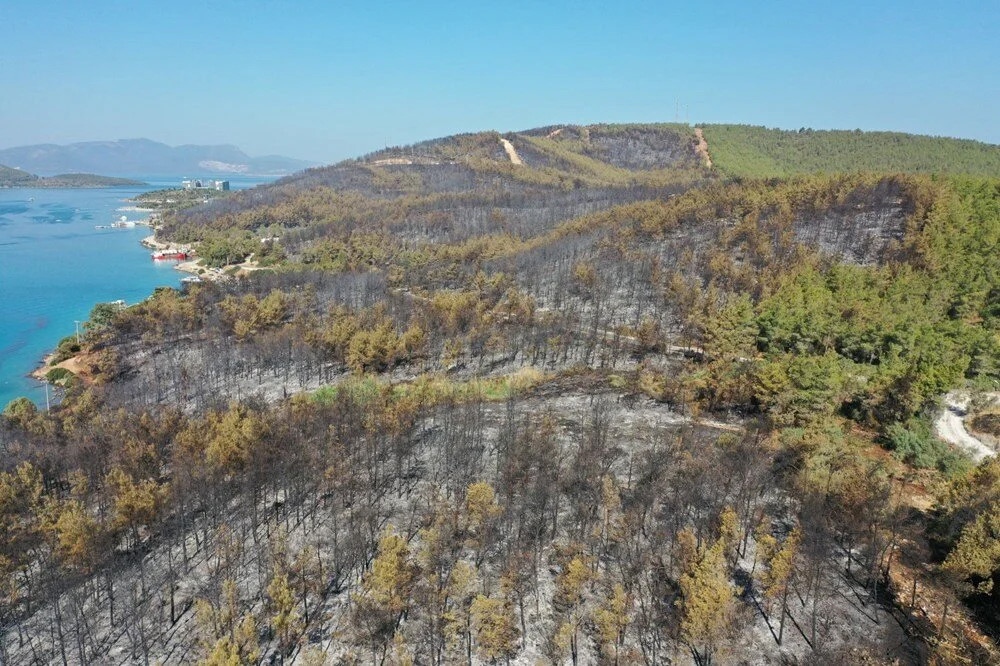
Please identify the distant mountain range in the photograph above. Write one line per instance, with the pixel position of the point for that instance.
(18, 178)
(142, 156)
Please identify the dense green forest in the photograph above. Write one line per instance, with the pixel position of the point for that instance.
(600, 407)
(750, 151)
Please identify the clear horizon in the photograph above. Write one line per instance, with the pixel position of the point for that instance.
(326, 83)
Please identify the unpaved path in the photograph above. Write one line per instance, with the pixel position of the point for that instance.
(79, 365)
(702, 147)
(420, 160)
(511, 153)
(950, 426)
(151, 242)
(392, 161)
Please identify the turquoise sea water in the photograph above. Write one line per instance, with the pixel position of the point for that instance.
(54, 266)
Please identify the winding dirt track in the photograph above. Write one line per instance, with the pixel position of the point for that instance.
(950, 426)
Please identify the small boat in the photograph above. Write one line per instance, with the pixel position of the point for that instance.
(169, 254)
(191, 279)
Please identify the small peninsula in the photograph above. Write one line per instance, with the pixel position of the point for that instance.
(10, 177)
(171, 199)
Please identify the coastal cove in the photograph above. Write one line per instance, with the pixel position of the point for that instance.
(54, 266)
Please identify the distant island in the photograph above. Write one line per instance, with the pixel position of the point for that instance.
(142, 156)
(10, 177)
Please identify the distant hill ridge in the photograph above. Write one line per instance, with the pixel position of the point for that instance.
(136, 156)
(19, 178)
(438, 188)
(647, 154)
(743, 151)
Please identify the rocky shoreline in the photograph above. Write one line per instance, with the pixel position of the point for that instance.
(74, 364)
(192, 267)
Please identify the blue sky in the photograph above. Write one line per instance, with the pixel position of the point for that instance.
(328, 80)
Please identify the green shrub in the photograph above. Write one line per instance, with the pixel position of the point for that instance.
(916, 444)
(953, 464)
(67, 348)
(19, 410)
(218, 250)
(102, 314)
(60, 376)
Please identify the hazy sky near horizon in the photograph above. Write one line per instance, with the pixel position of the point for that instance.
(329, 80)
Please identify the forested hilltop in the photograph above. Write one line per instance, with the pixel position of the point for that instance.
(759, 152)
(568, 395)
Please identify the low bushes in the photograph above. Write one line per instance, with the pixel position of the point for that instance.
(915, 443)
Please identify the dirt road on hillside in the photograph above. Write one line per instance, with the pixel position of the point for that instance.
(950, 426)
(702, 147)
(511, 153)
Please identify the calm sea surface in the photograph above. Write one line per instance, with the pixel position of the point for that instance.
(54, 266)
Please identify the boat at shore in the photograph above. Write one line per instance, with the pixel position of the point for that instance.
(123, 223)
(170, 253)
